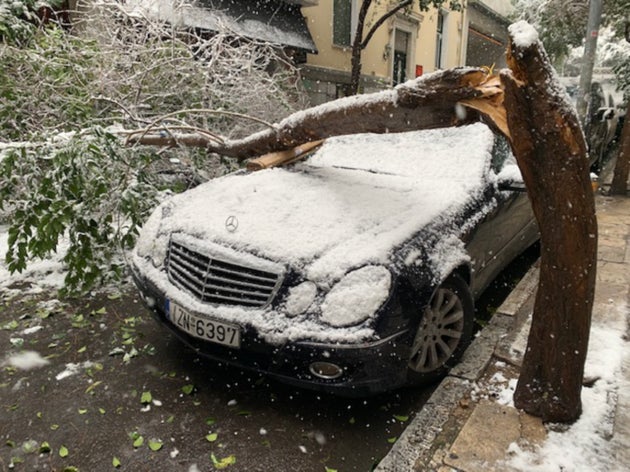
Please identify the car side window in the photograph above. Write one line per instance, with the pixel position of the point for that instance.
(502, 154)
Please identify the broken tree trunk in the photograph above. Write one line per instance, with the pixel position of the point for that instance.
(551, 152)
(428, 102)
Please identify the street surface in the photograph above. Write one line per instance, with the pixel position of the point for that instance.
(115, 376)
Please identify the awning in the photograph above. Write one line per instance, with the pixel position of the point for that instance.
(272, 21)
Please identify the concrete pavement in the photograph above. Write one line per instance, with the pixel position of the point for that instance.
(467, 425)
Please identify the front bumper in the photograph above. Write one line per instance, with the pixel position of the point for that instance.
(367, 368)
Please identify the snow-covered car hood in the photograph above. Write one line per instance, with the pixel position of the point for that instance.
(348, 205)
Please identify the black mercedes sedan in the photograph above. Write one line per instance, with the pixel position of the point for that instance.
(353, 271)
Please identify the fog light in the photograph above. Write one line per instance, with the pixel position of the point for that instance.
(326, 370)
(150, 301)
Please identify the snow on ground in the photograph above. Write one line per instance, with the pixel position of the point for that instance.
(39, 275)
(26, 360)
(585, 445)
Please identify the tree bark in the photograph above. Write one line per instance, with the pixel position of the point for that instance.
(360, 43)
(619, 184)
(429, 102)
(357, 49)
(551, 152)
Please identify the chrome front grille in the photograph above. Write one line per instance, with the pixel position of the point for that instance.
(213, 280)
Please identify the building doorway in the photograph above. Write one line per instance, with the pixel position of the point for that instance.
(401, 55)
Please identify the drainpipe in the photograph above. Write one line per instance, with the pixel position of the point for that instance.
(464, 34)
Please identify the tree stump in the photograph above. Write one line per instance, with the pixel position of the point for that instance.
(549, 146)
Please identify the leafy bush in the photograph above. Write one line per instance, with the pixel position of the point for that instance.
(66, 190)
(17, 20)
(46, 87)
(112, 73)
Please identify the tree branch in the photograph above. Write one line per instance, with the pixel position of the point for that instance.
(428, 102)
(382, 20)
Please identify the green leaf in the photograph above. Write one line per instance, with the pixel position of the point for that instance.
(11, 325)
(244, 413)
(402, 418)
(212, 437)
(155, 445)
(82, 349)
(138, 441)
(63, 451)
(328, 469)
(116, 462)
(224, 462)
(392, 440)
(44, 448)
(70, 468)
(54, 427)
(29, 447)
(146, 397)
(101, 411)
(188, 389)
(82, 411)
(210, 421)
(93, 386)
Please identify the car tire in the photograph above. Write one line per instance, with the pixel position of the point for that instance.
(444, 332)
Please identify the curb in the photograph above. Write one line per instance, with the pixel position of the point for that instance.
(416, 445)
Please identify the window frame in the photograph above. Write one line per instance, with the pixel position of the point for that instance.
(349, 19)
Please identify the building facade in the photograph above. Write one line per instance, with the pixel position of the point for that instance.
(485, 28)
(407, 45)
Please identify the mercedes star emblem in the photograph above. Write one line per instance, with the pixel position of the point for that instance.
(231, 223)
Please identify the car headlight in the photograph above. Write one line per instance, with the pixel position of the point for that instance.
(150, 243)
(300, 298)
(356, 297)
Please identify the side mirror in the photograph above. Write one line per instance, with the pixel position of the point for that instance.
(512, 186)
(510, 179)
(605, 114)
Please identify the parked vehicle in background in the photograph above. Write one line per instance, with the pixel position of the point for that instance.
(354, 271)
(601, 126)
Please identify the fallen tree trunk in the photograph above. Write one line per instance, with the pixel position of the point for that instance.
(428, 102)
(549, 146)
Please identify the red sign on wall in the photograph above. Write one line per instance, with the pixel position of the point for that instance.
(418, 70)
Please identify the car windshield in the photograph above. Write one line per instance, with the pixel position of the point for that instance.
(439, 153)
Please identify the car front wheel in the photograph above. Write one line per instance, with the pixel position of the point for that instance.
(444, 332)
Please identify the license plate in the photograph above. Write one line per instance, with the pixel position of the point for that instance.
(204, 328)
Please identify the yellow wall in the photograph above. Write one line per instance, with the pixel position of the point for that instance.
(373, 61)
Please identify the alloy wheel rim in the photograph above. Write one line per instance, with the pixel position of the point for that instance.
(440, 332)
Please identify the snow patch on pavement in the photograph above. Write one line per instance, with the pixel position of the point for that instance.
(26, 360)
(73, 369)
(585, 445)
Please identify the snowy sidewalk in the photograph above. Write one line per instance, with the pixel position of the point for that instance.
(470, 423)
